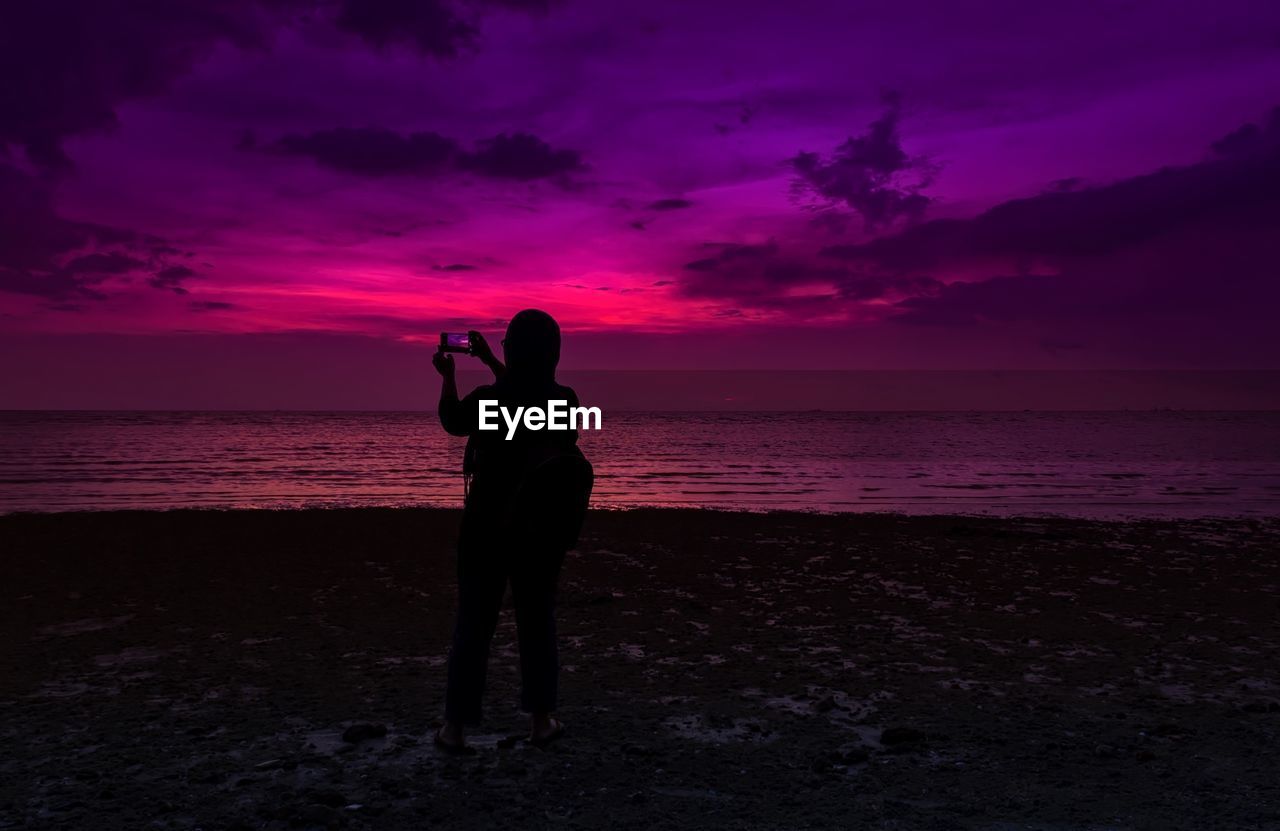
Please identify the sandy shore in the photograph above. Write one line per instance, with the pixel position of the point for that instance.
(199, 669)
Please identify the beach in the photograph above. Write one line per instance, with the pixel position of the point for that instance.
(200, 668)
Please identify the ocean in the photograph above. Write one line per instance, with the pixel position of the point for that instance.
(1135, 464)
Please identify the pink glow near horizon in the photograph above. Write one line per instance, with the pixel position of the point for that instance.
(658, 190)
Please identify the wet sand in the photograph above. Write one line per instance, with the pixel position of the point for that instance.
(200, 668)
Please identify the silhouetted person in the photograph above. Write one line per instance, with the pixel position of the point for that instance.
(524, 507)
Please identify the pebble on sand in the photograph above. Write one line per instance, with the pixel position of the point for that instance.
(357, 733)
(902, 738)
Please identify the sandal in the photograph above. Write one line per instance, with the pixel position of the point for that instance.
(452, 748)
(556, 732)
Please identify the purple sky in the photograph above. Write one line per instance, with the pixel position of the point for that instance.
(698, 185)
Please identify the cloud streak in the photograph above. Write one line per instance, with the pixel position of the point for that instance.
(375, 151)
(767, 277)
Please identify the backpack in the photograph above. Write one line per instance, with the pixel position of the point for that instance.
(551, 499)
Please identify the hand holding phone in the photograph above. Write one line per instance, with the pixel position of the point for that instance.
(480, 348)
(455, 342)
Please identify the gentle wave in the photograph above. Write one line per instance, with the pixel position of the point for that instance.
(1086, 464)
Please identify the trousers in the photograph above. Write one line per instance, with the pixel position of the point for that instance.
(485, 567)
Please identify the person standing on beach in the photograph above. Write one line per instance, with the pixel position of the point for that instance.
(524, 508)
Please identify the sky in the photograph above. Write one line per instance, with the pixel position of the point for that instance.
(262, 190)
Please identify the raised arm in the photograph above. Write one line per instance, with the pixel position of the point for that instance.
(451, 411)
(480, 348)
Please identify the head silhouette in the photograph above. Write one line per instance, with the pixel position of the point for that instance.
(532, 345)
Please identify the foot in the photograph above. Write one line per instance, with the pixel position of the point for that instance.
(544, 729)
(450, 739)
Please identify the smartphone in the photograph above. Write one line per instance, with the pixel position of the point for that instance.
(455, 342)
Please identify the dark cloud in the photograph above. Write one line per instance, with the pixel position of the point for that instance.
(1203, 285)
(531, 6)
(51, 285)
(374, 151)
(520, 156)
(745, 113)
(433, 27)
(1250, 139)
(766, 277)
(454, 267)
(1238, 185)
(47, 255)
(669, 204)
(1069, 183)
(114, 262)
(1182, 260)
(870, 174)
(429, 26)
(32, 234)
(212, 306)
(171, 278)
(1193, 242)
(68, 65)
(729, 252)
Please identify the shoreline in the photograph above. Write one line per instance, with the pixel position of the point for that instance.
(1259, 517)
(185, 667)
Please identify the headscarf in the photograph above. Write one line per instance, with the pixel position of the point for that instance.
(531, 349)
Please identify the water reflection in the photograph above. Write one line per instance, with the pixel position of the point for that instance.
(1084, 464)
